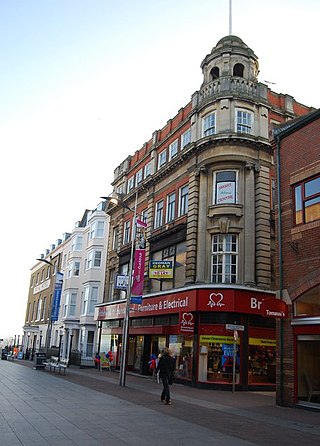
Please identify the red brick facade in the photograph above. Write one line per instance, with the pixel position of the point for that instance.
(298, 156)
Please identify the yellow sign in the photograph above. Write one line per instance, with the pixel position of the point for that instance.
(218, 339)
(259, 341)
(161, 269)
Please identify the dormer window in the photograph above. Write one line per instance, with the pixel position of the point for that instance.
(238, 70)
(215, 73)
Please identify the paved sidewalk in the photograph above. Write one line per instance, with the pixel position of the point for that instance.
(87, 407)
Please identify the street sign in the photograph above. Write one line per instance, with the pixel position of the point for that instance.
(121, 282)
(136, 299)
(235, 327)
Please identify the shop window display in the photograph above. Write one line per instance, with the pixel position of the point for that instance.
(216, 359)
(182, 350)
(262, 361)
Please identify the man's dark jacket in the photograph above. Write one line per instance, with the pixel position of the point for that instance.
(165, 365)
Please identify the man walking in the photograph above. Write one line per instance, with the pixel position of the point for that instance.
(166, 369)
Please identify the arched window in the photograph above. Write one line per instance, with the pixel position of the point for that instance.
(215, 73)
(238, 70)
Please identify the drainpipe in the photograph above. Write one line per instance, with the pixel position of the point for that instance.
(280, 262)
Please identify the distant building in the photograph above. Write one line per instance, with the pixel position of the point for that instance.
(297, 156)
(204, 185)
(66, 324)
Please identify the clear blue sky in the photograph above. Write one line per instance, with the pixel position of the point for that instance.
(83, 84)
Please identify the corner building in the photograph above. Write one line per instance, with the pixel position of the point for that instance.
(204, 185)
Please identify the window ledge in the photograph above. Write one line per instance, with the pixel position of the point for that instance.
(305, 227)
(225, 209)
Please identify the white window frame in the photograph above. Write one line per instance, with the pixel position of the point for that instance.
(209, 124)
(224, 258)
(39, 309)
(171, 207)
(147, 169)
(85, 302)
(162, 158)
(230, 187)
(183, 200)
(44, 308)
(185, 138)
(126, 232)
(96, 229)
(244, 121)
(158, 217)
(90, 299)
(173, 149)
(130, 184)
(139, 176)
(94, 259)
(77, 242)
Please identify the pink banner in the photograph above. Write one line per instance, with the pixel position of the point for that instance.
(138, 272)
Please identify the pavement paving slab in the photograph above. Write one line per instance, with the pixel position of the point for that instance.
(86, 407)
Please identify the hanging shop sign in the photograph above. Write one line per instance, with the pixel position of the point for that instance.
(273, 307)
(161, 269)
(186, 322)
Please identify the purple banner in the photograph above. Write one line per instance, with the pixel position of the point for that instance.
(138, 272)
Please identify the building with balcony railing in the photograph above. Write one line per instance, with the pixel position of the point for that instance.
(205, 187)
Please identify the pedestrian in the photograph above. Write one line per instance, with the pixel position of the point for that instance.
(166, 369)
(153, 365)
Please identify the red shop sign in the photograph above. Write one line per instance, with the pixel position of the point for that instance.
(215, 300)
(186, 322)
(272, 307)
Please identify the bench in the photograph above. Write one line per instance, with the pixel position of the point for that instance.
(63, 364)
(55, 363)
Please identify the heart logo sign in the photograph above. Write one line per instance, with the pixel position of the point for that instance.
(187, 318)
(216, 300)
(187, 322)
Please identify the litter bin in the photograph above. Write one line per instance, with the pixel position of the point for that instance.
(39, 358)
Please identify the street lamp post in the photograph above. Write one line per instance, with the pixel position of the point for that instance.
(126, 320)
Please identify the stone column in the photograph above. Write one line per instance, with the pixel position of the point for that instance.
(202, 226)
(249, 227)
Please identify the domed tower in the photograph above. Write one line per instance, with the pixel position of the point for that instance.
(230, 58)
(230, 131)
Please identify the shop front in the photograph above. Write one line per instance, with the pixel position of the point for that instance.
(206, 329)
(306, 333)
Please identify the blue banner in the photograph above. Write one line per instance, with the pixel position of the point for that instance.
(57, 297)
